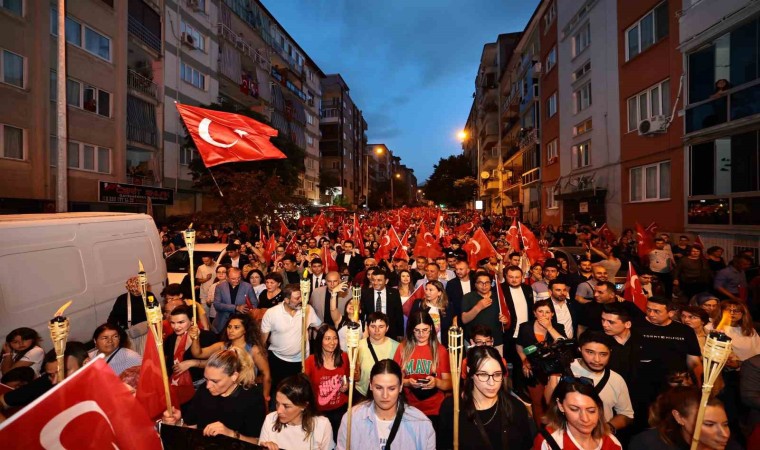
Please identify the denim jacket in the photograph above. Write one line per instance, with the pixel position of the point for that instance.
(414, 433)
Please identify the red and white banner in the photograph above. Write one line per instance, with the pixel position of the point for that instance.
(223, 137)
(478, 247)
(633, 292)
(92, 409)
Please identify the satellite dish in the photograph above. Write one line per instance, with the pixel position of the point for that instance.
(485, 174)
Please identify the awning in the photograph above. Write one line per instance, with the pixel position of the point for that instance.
(581, 194)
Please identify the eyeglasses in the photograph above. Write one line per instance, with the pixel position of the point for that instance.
(422, 331)
(483, 283)
(483, 377)
(735, 311)
(582, 380)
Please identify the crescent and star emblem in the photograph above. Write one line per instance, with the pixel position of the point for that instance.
(50, 436)
(428, 243)
(386, 241)
(204, 134)
(477, 245)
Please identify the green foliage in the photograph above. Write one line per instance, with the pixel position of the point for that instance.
(451, 182)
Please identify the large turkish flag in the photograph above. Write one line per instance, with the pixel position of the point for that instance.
(223, 137)
(478, 247)
(92, 409)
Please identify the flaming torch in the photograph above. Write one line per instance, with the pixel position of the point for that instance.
(189, 235)
(714, 356)
(456, 346)
(353, 334)
(59, 332)
(305, 291)
(153, 313)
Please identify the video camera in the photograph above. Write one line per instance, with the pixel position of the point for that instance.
(551, 358)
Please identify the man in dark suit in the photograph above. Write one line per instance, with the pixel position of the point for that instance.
(229, 297)
(459, 286)
(348, 258)
(388, 301)
(519, 299)
(316, 274)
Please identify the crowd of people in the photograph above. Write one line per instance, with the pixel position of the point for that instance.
(555, 358)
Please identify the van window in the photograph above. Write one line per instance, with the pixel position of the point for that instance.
(29, 280)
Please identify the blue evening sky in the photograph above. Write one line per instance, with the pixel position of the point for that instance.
(410, 65)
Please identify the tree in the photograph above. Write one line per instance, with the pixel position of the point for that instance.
(252, 188)
(451, 182)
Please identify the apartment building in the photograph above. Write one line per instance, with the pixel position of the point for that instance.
(549, 93)
(651, 150)
(382, 166)
(343, 142)
(589, 188)
(262, 68)
(96, 94)
(721, 121)
(191, 51)
(487, 130)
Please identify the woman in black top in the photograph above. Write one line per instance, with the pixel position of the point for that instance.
(227, 404)
(489, 417)
(178, 354)
(272, 295)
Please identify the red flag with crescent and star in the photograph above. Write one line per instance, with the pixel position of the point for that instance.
(388, 242)
(223, 137)
(513, 237)
(478, 247)
(91, 409)
(426, 244)
(465, 228)
(633, 292)
(644, 241)
(327, 259)
(530, 243)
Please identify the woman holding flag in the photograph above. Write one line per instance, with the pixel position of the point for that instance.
(242, 333)
(184, 369)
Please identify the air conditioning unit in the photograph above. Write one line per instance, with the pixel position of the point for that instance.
(188, 39)
(195, 5)
(653, 125)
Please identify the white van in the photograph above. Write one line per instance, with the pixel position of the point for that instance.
(49, 259)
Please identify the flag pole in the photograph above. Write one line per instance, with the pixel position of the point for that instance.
(215, 182)
(189, 236)
(305, 291)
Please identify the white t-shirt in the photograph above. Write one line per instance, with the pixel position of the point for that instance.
(521, 307)
(285, 331)
(614, 394)
(562, 313)
(35, 355)
(383, 430)
(465, 287)
(202, 272)
(293, 437)
(435, 314)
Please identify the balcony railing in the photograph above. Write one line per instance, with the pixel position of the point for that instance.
(144, 34)
(142, 135)
(142, 85)
(246, 48)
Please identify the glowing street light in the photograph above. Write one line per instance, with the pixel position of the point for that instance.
(462, 135)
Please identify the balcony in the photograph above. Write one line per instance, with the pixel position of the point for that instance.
(738, 103)
(491, 185)
(142, 85)
(142, 135)
(528, 138)
(330, 115)
(142, 33)
(245, 48)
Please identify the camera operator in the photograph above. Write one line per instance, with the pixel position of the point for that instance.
(595, 355)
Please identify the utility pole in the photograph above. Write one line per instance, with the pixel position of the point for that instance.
(61, 181)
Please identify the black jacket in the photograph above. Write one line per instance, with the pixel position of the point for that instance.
(395, 312)
(455, 294)
(528, 293)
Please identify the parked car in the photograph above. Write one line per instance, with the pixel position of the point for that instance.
(178, 263)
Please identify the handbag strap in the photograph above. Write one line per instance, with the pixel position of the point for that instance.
(603, 382)
(549, 439)
(129, 309)
(112, 355)
(372, 350)
(396, 425)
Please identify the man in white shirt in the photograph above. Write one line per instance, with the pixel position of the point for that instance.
(204, 277)
(281, 326)
(564, 311)
(595, 349)
(661, 264)
(432, 272)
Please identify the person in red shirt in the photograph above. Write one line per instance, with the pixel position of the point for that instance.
(328, 371)
(425, 366)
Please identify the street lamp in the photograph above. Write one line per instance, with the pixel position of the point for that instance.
(463, 136)
(380, 151)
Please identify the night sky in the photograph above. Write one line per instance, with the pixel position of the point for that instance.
(410, 64)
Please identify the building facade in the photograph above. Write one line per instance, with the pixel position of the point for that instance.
(550, 116)
(721, 121)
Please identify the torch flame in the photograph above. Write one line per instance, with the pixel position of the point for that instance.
(191, 226)
(60, 311)
(305, 274)
(140, 265)
(725, 321)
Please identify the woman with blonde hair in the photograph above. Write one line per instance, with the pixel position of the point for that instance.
(227, 404)
(436, 304)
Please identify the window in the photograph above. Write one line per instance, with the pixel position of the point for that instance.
(309, 119)
(84, 96)
(83, 156)
(582, 39)
(654, 101)
(551, 201)
(551, 105)
(725, 166)
(582, 155)
(551, 14)
(584, 69)
(551, 152)
(649, 29)
(583, 127)
(192, 76)
(199, 41)
(650, 182)
(309, 141)
(186, 155)
(13, 68)
(12, 142)
(13, 6)
(582, 98)
(82, 36)
(551, 59)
